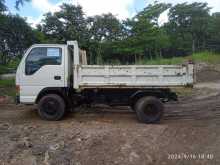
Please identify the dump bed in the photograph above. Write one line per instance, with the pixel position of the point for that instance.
(133, 76)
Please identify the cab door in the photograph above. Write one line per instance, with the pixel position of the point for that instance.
(42, 67)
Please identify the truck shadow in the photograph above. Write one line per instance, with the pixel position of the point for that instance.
(125, 114)
(173, 113)
(103, 114)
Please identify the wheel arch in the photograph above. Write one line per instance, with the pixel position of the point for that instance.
(158, 93)
(62, 92)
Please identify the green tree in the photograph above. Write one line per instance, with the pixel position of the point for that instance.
(105, 27)
(145, 37)
(188, 24)
(213, 42)
(74, 23)
(19, 3)
(104, 30)
(53, 28)
(16, 36)
(2, 6)
(67, 24)
(153, 11)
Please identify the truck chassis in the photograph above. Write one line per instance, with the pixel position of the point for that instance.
(51, 76)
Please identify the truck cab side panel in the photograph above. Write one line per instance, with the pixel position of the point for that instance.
(42, 66)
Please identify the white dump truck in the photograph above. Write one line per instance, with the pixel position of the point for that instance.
(52, 76)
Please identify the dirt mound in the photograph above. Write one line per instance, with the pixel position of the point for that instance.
(208, 75)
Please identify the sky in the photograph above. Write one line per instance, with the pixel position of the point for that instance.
(35, 9)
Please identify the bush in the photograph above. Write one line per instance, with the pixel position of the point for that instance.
(207, 57)
(3, 69)
(7, 83)
(9, 68)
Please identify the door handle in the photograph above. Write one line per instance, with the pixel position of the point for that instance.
(57, 77)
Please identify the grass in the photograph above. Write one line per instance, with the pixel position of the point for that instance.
(3, 69)
(9, 67)
(7, 83)
(208, 57)
(7, 87)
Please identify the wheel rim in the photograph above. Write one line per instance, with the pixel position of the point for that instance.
(50, 107)
(151, 110)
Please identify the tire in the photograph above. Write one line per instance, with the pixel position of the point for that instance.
(51, 107)
(149, 110)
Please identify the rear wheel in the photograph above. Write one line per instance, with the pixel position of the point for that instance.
(149, 109)
(51, 107)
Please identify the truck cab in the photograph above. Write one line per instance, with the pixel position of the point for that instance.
(53, 77)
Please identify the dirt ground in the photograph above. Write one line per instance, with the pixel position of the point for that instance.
(188, 134)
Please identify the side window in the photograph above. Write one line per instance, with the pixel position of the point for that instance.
(41, 56)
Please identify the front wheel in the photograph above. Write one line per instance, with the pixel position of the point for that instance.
(51, 107)
(149, 109)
